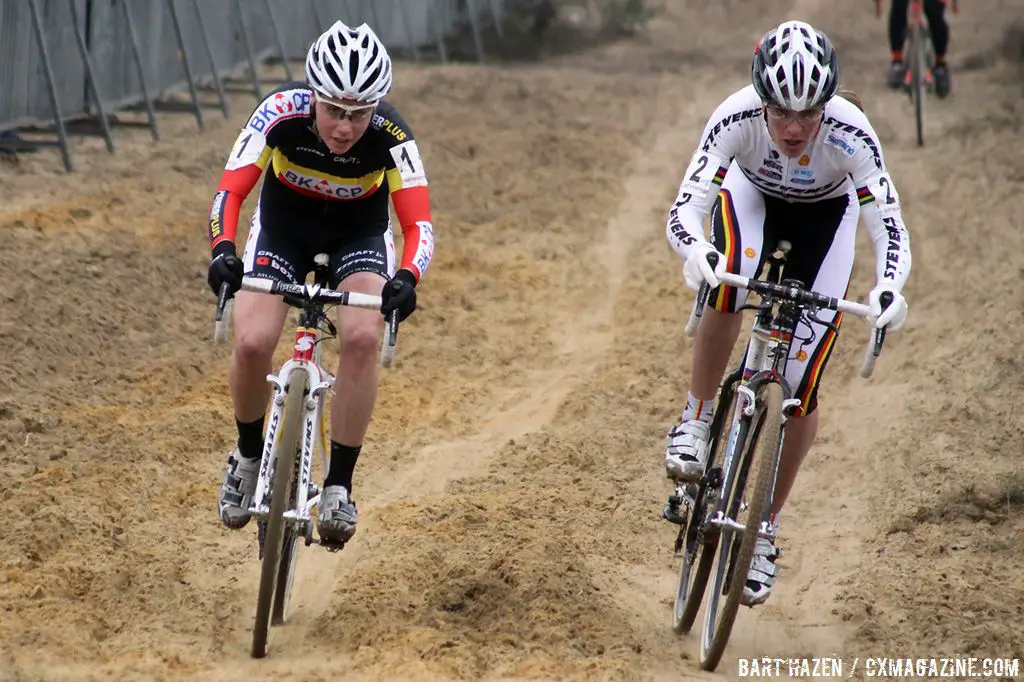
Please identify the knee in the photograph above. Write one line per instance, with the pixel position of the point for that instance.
(254, 347)
(361, 342)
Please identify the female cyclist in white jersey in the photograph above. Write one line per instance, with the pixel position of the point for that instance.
(784, 157)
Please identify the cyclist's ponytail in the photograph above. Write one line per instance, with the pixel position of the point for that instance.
(851, 96)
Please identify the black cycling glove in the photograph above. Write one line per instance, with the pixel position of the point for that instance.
(399, 294)
(225, 267)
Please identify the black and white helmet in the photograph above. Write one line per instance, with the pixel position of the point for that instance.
(349, 63)
(795, 67)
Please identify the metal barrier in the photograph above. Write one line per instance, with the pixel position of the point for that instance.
(67, 65)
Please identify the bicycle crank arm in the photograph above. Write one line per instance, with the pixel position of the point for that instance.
(722, 521)
(297, 516)
(310, 503)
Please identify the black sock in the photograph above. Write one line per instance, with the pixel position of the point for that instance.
(250, 438)
(343, 463)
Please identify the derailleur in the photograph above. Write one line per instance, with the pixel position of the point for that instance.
(680, 504)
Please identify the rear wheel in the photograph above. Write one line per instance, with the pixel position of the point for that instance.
(699, 544)
(273, 548)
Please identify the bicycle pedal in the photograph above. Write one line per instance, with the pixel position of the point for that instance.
(332, 545)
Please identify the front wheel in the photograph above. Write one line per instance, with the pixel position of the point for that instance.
(760, 458)
(285, 576)
(283, 457)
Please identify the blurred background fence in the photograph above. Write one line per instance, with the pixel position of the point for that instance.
(66, 66)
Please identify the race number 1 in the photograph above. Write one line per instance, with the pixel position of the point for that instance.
(409, 165)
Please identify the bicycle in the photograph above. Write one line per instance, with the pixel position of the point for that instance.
(921, 59)
(745, 446)
(296, 428)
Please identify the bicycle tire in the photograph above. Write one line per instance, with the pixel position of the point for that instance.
(690, 589)
(274, 541)
(917, 81)
(761, 451)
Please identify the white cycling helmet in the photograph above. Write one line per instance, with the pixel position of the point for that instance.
(349, 63)
(795, 67)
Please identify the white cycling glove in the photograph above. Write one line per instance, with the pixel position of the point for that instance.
(895, 315)
(698, 270)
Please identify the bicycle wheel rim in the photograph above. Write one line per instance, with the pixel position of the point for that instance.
(283, 470)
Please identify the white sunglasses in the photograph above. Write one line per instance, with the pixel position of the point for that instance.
(353, 112)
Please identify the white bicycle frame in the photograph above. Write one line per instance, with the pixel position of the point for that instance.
(758, 358)
(314, 436)
(317, 382)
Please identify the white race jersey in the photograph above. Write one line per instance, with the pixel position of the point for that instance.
(845, 150)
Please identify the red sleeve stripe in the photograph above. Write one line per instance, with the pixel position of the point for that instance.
(412, 206)
(234, 187)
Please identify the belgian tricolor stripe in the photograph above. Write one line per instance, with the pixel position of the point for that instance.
(726, 299)
(816, 365)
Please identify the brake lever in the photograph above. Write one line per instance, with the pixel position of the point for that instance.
(812, 315)
(759, 307)
(884, 300)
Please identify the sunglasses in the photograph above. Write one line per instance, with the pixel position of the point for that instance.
(357, 113)
(804, 118)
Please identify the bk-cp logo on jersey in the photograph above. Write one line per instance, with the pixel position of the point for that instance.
(283, 104)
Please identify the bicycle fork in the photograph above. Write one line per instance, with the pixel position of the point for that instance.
(312, 437)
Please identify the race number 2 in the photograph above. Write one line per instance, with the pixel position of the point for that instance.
(699, 176)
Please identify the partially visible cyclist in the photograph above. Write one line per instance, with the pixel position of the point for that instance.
(783, 158)
(336, 150)
(935, 13)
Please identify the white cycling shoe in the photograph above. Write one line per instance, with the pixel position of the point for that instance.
(762, 574)
(337, 515)
(686, 450)
(237, 490)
